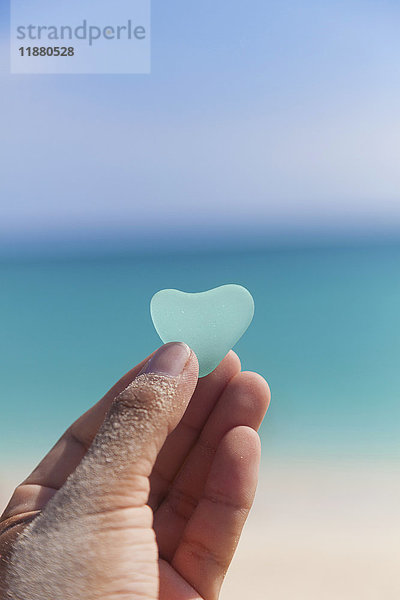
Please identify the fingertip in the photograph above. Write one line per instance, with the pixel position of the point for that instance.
(243, 442)
(193, 361)
(236, 465)
(258, 386)
(191, 369)
(233, 360)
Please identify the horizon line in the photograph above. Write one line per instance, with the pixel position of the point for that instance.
(98, 245)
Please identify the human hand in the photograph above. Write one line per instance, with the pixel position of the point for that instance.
(146, 494)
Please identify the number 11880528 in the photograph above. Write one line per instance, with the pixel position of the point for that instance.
(47, 51)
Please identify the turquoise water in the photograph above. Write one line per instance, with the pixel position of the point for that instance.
(326, 335)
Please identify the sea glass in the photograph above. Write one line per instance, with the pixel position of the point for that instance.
(210, 322)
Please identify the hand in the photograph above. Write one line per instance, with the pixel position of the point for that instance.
(146, 494)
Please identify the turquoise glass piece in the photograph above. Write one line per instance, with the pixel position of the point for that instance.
(211, 322)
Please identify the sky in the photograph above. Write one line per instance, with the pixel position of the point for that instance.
(268, 118)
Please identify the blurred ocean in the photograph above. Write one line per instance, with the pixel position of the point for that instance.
(326, 336)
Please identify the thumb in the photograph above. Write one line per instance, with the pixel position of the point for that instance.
(114, 473)
(80, 543)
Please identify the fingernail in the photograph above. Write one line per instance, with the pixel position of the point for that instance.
(170, 360)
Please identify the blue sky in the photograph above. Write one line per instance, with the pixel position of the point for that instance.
(267, 118)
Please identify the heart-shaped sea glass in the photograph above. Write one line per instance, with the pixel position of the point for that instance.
(211, 322)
